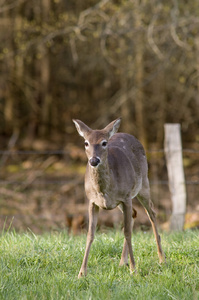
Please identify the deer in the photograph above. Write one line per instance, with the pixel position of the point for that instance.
(116, 173)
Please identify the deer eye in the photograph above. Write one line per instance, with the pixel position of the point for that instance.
(104, 144)
(86, 143)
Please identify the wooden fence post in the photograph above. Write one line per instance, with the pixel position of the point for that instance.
(173, 152)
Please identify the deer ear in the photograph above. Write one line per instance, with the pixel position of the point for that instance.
(113, 127)
(82, 128)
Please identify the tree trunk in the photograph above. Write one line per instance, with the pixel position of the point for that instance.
(139, 77)
(46, 99)
(197, 70)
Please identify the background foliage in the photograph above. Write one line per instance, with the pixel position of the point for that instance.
(97, 60)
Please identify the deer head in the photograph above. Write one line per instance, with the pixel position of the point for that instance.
(96, 141)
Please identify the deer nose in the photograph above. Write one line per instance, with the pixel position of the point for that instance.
(94, 161)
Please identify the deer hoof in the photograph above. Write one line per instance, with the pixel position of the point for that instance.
(121, 264)
(81, 274)
(162, 259)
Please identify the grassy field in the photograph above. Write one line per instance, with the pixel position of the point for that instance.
(46, 267)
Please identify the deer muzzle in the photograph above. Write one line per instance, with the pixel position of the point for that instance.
(94, 161)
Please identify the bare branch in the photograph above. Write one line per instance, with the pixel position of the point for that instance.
(151, 40)
(74, 50)
(176, 38)
(174, 14)
(108, 32)
(86, 12)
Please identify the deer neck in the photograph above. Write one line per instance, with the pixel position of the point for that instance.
(100, 177)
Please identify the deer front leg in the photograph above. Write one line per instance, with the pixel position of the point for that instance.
(93, 216)
(127, 210)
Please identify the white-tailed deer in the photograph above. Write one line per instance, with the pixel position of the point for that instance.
(117, 171)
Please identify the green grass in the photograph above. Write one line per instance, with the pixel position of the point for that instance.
(47, 266)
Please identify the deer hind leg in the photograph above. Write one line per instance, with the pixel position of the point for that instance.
(125, 251)
(144, 198)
